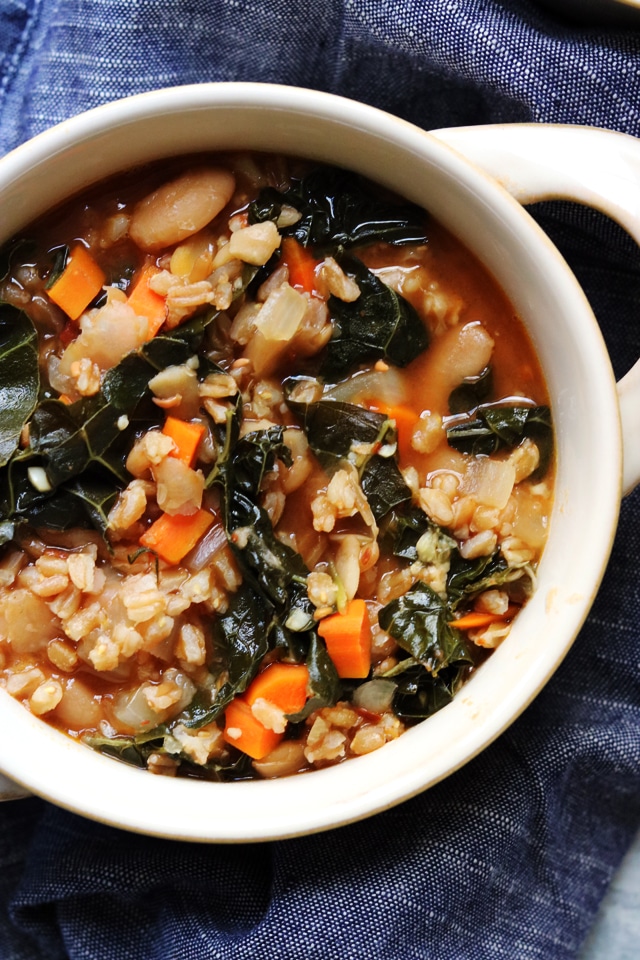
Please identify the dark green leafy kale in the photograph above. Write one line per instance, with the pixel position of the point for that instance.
(472, 392)
(59, 258)
(413, 536)
(240, 642)
(419, 622)
(255, 455)
(418, 694)
(379, 325)
(272, 608)
(503, 427)
(19, 377)
(383, 485)
(81, 447)
(324, 683)
(340, 210)
(333, 427)
(438, 654)
(468, 578)
(275, 569)
(84, 502)
(136, 750)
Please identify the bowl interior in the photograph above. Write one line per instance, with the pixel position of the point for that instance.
(88, 148)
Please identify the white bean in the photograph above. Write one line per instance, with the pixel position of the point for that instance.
(29, 623)
(180, 208)
(463, 351)
(78, 709)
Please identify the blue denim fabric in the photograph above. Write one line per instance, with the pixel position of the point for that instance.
(509, 857)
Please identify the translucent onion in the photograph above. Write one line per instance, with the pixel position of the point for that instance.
(287, 758)
(490, 482)
(276, 324)
(203, 554)
(375, 696)
(180, 488)
(385, 386)
(281, 314)
(187, 686)
(131, 709)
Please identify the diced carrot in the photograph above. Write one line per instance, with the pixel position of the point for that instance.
(348, 639)
(146, 302)
(282, 684)
(244, 731)
(302, 266)
(405, 419)
(186, 436)
(173, 537)
(78, 284)
(480, 618)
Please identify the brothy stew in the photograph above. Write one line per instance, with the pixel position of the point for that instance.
(276, 467)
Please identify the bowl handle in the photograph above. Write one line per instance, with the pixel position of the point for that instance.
(600, 168)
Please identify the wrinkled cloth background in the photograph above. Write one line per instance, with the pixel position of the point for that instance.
(510, 857)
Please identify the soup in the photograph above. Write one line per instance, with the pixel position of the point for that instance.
(277, 467)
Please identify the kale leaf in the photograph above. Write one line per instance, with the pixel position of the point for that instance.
(274, 574)
(439, 657)
(503, 427)
(82, 447)
(379, 325)
(409, 526)
(333, 427)
(471, 392)
(136, 750)
(340, 210)
(324, 683)
(240, 641)
(419, 623)
(276, 568)
(418, 694)
(19, 377)
(468, 578)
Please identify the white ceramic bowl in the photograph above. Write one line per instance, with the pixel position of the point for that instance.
(493, 225)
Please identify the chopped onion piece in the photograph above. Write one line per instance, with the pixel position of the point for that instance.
(281, 314)
(207, 547)
(387, 387)
(287, 758)
(276, 324)
(132, 709)
(375, 696)
(490, 482)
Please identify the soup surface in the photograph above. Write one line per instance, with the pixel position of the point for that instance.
(276, 467)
